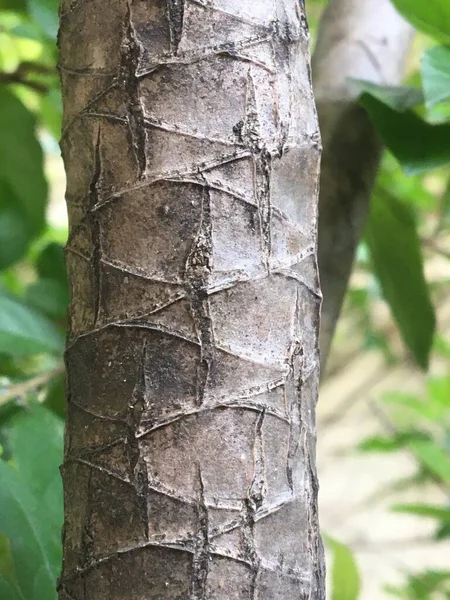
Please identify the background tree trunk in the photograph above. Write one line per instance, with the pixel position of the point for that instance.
(357, 39)
(192, 152)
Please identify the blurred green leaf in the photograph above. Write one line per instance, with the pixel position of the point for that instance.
(6, 560)
(8, 592)
(15, 5)
(49, 296)
(31, 500)
(439, 513)
(55, 399)
(23, 187)
(443, 532)
(45, 12)
(51, 112)
(396, 441)
(15, 234)
(444, 209)
(433, 458)
(24, 331)
(436, 75)
(439, 391)
(50, 263)
(442, 346)
(397, 260)
(23, 521)
(399, 98)
(417, 145)
(37, 463)
(431, 17)
(345, 580)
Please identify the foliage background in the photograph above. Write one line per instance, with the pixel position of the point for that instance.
(401, 274)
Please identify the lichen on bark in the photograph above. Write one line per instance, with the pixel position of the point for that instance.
(191, 148)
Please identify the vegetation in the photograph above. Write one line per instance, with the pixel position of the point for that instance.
(409, 223)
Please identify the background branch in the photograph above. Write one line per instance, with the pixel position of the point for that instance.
(360, 39)
(21, 74)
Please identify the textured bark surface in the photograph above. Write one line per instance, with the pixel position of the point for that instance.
(191, 147)
(359, 39)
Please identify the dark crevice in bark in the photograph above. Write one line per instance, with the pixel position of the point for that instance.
(131, 53)
(95, 228)
(197, 272)
(202, 550)
(138, 468)
(175, 17)
(263, 163)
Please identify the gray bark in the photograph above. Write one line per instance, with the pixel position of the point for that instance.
(192, 359)
(359, 39)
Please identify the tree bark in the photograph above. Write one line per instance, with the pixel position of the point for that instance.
(359, 39)
(192, 359)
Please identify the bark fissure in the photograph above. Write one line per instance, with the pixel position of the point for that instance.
(188, 460)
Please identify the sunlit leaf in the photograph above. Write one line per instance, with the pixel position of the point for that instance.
(436, 74)
(431, 17)
(345, 580)
(45, 12)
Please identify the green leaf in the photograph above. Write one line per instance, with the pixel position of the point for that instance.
(397, 441)
(45, 12)
(397, 260)
(24, 331)
(36, 440)
(50, 263)
(23, 188)
(15, 234)
(431, 17)
(51, 292)
(49, 296)
(23, 521)
(439, 391)
(51, 112)
(399, 98)
(434, 459)
(345, 578)
(15, 5)
(441, 513)
(417, 145)
(8, 592)
(31, 500)
(436, 75)
(443, 532)
(56, 397)
(6, 560)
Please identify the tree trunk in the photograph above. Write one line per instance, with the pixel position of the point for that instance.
(192, 356)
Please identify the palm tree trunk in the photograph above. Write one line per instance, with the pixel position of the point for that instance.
(192, 359)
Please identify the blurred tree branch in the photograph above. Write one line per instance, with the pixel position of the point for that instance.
(22, 73)
(357, 39)
(22, 389)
